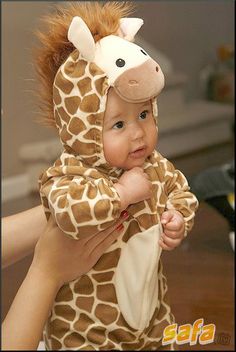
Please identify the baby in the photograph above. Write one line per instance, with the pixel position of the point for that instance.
(104, 99)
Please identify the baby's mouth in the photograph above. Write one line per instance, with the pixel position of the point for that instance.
(139, 153)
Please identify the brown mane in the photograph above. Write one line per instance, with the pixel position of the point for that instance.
(102, 20)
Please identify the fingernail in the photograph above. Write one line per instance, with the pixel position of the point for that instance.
(124, 214)
(120, 227)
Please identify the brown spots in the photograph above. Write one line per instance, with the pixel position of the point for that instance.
(92, 134)
(118, 335)
(91, 191)
(74, 340)
(65, 136)
(101, 85)
(146, 220)
(76, 126)
(106, 293)
(109, 260)
(60, 327)
(133, 346)
(83, 322)
(55, 345)
(109, 346)
(75, 69)
(96, 119)
(122, 322)
(64, 181)
(101, 209)
(56, 194)
(84, 286)
(63, 114)
(133, 228)
(83, 148)
(158, 329)
(81, 212)
(97, 335)
(106, 314)
(72, 104)
(76, 191)
(75, 55)
(62, 202)
(84, 85)
(64, 84)
(64, 294)
(64, 221)
(103, 277)
(94, 69)
(85, 303)
(57, 119)
(65, 311)
(90, 103)
(56, 96)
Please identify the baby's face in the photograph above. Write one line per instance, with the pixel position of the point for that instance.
(129, 132)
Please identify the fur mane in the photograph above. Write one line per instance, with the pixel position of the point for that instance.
(102, 20)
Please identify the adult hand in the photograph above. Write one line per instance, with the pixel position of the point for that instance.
(64, 259)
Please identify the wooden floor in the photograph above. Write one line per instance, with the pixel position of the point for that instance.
(200, 276)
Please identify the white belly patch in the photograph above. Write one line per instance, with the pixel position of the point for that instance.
(136, 279)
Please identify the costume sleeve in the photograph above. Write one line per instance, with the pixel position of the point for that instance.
(178, 192)
(80, 206)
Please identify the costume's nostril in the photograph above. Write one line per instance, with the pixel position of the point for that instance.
(133, 82)
(157, 69)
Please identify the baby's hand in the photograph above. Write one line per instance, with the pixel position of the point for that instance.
(174, 228)
(133, 186)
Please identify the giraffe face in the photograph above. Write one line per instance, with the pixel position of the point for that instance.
(129, 132)
(135, 76)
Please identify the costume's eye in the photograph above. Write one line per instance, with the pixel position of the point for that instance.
(142, 51)
(143, 115)
(118, 125)
(120, 62)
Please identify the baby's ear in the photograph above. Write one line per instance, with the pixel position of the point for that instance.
(129, 26)
(80, 36)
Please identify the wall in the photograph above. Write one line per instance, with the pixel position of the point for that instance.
(188, 32)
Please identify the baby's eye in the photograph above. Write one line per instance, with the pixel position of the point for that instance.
(118, 125)
(143, 115)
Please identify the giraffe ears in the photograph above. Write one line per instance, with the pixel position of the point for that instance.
(80, 36)
(129, 26)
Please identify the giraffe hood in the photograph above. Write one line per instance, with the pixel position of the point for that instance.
(82, 82)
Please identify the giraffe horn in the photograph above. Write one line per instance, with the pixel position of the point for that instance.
(129, 26)
(80, 36)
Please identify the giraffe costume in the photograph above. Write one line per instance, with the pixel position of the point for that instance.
(121, 303)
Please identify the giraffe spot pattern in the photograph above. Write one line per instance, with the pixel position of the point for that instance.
(63, 219)
(55, 345)
(64, 294)
(60, 326)
(65, 311)
(83, 323)
(103, 277)
(65, 135)
(76, 126)
(106, 293)
(74, 340)
(132, 346)
(101, 209)
(76, 191)
(84, 85)
(82, 211)
(92, 192)
(63, 115)
(56, 96)
(106, 314)
(84, 285)
(75, 69)
(85, 303)
(72, 104)
(65, 85)
(100, 85)
(109, 260)
(84, 149)
(90, 103)
(97, 335)
(118, 335)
